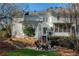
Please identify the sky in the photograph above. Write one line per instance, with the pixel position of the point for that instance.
(40, 6)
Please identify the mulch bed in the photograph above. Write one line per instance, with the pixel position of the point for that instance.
(66, 52)
(5, 46)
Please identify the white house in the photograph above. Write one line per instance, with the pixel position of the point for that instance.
(17, 27)
(53, 26)
(46, 23)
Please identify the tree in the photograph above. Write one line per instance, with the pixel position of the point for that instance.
(28, 30)
(74, 7)
(7, 12)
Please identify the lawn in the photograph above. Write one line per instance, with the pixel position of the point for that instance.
(30, 52)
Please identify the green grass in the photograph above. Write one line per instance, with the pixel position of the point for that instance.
(30, 52)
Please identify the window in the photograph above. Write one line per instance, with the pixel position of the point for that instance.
(69, 26)
(64, 28)
(58, 17)
(50, 33)
(60, 28)
(56, 28)
(51, 29)
(44, 38)
(44, 30)
(45, 19)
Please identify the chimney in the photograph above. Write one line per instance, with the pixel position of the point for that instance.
(27, 13)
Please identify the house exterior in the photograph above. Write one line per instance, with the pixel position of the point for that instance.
(17, 28)
(17, 25)
(54, 27)
(48, 23)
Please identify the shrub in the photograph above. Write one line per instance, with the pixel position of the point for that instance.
(63, 41)
(29, 31)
